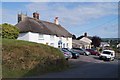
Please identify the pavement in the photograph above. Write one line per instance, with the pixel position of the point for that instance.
(87, 67)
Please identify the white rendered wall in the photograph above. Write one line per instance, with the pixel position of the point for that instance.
(23, 36)
(34, 37)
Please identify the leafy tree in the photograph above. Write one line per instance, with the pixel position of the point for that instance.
(73, 36)
(96, 41)
(9, 31)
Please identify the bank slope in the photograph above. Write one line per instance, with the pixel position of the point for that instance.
(22, 59)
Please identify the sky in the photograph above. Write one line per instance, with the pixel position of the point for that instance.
(95, 18)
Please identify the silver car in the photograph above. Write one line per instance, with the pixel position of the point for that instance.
(66, 54)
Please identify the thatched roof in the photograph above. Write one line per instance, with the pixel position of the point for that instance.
(43, 27)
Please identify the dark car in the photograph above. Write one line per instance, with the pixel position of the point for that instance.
(75, 55)
(81, 51)
(93, 52)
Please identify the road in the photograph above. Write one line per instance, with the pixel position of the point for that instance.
(87, 67)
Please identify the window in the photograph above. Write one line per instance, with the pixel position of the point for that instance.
(63, 45)
(52, 44)
(51, 37)
(67, 45)
(59, 44)
(41, 36)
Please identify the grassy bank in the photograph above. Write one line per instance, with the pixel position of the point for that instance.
(22, 58)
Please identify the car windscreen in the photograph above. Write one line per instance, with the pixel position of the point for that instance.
(64, 50)
(106, 52)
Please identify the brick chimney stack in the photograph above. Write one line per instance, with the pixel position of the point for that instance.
(56, 21)
(21, 17)
(36, 15)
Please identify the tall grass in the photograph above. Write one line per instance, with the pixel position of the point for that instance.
(22, 58)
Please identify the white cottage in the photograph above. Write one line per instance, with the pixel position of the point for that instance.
(83, 42)
(39, 31)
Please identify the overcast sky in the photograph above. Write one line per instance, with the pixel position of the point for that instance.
(95, 18)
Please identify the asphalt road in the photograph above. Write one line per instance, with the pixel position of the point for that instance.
(87, 67)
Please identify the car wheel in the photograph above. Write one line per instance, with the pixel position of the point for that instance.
(112, 59)
(75, 57)
(66, 58)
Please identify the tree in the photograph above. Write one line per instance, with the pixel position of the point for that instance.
(73, 36)
(9, 31)
(96, 41)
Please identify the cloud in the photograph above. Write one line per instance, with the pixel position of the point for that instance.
(81, 14)
(78, 0)
(61, 0)
(109, 29)
(73, 16)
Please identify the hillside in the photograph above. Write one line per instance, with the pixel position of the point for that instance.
(108, 39)
(22, 58)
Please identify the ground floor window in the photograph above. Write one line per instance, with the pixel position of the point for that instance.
(59, 44)
(52, 44)
(63, 45)
(67, 45)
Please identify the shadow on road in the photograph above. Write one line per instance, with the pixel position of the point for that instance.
(96, 57)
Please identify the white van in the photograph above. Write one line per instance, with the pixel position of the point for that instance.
(107, 55)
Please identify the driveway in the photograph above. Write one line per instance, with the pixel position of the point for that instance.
(87, 67)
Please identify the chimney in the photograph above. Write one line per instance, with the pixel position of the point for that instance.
(56, 21)
(21, 17)
(36, 15)
(85, 34)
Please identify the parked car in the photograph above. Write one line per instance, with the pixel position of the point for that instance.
(107, 55)
(93, 52)
(69, 53)
(66, 54)
(81, 51)
(75, 55)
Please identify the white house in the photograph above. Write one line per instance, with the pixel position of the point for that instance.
(84, 42)
(39, 31)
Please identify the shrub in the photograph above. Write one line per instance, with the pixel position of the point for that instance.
(9, 31)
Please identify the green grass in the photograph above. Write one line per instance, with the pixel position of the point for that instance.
(22, 58)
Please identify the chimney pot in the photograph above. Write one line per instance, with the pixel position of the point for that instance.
(36, 15)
